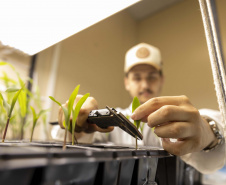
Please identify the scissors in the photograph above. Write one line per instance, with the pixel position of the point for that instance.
(104, 118)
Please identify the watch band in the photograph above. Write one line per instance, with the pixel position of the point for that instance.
(217, 133)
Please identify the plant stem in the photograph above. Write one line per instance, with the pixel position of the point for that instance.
(73, 139)
(136, 142)
(22, 128)
(65, 138)
(32, 131)
(6, 127)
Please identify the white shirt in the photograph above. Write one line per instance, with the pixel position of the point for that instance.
(205, 162)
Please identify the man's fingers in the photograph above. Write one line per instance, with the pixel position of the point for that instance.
(178, 148)
(170, 113)
(174, 130)
(166, 113)
(155, 103)
(90, 128)
(108, 129)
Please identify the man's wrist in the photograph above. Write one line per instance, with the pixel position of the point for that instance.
(218, 136)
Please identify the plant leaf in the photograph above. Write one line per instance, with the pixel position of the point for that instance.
(35, 119)
(34, 113)
(77, 109)
(72, 99)
(20, 80)
(12, 89)
(4, 78)
(1, 99)
(14, 101)
(6, 63)
(42, 112)
(67, 119)
(12, 118)
(4, 103)
(3, 63)
(52, 98)
(22, 99)
(135, 104)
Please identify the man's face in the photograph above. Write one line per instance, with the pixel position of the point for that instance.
(144, 81)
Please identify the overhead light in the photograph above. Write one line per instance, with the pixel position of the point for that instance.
(33, 25)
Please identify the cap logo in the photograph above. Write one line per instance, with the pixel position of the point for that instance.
(142, 52)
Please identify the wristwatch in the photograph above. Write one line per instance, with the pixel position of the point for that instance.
(217, 133)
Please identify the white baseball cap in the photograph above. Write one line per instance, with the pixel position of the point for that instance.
(143, 54)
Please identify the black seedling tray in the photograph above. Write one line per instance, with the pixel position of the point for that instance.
(45, 163)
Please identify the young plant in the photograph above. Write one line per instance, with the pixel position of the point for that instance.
(67, 112)
(135, 104)
(75, 113)
(10, 108)
(35, 119)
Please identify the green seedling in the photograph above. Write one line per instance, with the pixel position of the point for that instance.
(10, 108)
(23, 104)
(67, 112)
(135, 104)
(35, 119)
(75, 113)
(22, 113)
(2, 63)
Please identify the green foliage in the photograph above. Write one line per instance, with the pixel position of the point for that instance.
(14, 101)
(76, 112)
(72, 98)
(22, 99)
(2, 63)
(135, 104)
(65, 110)
(35, 119)
(21, 115)
(69, 110)
(15, 97)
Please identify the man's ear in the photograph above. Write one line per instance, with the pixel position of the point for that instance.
(126, 83)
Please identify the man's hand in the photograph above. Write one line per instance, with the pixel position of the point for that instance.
(175, 117)
(81, 124)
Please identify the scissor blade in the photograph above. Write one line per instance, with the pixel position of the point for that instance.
(128, 127)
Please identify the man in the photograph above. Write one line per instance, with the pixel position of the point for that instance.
(166, 117)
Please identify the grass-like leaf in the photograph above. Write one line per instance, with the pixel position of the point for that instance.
(33, 113)
(63, 108)
(52, 98)
(3, 63)
(66, 119)
(67, 112)
(35, 119)
(76, 112)
(12, 89)
(6, 63)
(1, 99)
(72, 98)
(22, 99)
(10, 112)
(4, 103)
(135, 104)
(14, 101)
